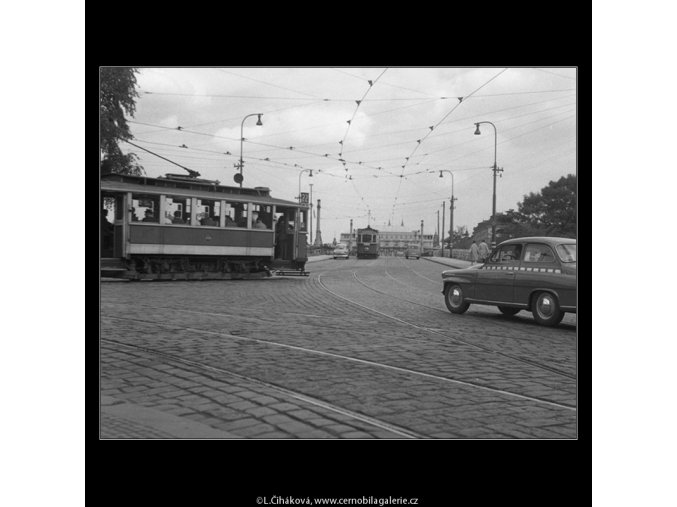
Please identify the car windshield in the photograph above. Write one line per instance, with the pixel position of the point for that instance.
(567, 252)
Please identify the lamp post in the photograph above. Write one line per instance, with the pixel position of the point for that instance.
(444, 205)
(242, 140)
(496, 170)
(451, 218)
(300, 173)
(310, 212)
(297, 220)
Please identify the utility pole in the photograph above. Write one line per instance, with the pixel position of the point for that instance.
(443, 206)
(438, 227)
(350, 238)
(311, 214)
(421, 249)
(451, 232)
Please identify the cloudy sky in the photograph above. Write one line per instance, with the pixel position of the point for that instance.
(375, 138)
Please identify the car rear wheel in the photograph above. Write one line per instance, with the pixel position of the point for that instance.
(454, 299)
(509, 311)
(546, 309)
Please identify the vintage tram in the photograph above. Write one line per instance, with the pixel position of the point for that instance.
(367, 243)
(180, 227)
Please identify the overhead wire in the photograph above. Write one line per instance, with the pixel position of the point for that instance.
(382, 82)
(554, 73)
(432, 128)
(371, 84)
(267, 83)
(414, 159)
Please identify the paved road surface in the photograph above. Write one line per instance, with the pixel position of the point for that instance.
(360, 349)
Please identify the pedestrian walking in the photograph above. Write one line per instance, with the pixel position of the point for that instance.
(474, 253)
(483, 251)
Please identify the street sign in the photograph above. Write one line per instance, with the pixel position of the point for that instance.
(304, 197)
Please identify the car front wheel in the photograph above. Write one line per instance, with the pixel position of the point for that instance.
(509, 311)
(454, 299)
(546, 309)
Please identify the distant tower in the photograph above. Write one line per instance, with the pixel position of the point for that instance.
(318, 233)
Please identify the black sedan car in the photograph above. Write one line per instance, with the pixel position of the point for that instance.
(537, 274)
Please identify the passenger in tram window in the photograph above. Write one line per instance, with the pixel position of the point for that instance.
(134, 217)
(280, 227)
(177, 218)
(259, 224)
(149, 216)
(230, 222)
(207, 220)
(266, 219)
(106, 231)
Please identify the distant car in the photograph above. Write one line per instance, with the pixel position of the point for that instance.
(537, 274)
(413, 251)
(341, 251)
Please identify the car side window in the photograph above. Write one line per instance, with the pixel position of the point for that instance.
(538, 253)
(507, 253)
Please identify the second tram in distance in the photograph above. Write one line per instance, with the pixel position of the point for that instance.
(367, 243)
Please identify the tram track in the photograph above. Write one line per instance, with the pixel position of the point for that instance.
(356, 360)
(402, 263)
(435, 332)
(310, 400)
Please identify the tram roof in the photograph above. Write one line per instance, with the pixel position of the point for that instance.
(201, 189)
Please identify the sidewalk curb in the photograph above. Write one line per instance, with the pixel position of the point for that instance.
(446, 263)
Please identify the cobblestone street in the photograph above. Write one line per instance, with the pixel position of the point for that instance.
(360, 349)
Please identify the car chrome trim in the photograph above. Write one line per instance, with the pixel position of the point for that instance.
(502, 303)
(522, 268)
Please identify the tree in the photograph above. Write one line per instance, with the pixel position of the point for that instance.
(117, 95)
(552, 211)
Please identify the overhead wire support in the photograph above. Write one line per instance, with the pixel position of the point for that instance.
(371, 85)
(252, 142)
(432, 128)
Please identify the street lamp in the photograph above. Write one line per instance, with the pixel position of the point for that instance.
(239, 180)
(298, 212)
(496, 170)
(451, 218)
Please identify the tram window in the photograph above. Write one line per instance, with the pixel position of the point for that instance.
(119, 212)
(208, 212)
(229, 213)
(175, 210)
(265, 213)
(303, 220)
(241, 210)
(113, 205)
(146, 207)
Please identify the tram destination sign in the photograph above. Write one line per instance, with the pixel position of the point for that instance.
(304, 197)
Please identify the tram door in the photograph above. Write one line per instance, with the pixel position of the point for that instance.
(301, 235)
(111, 233)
